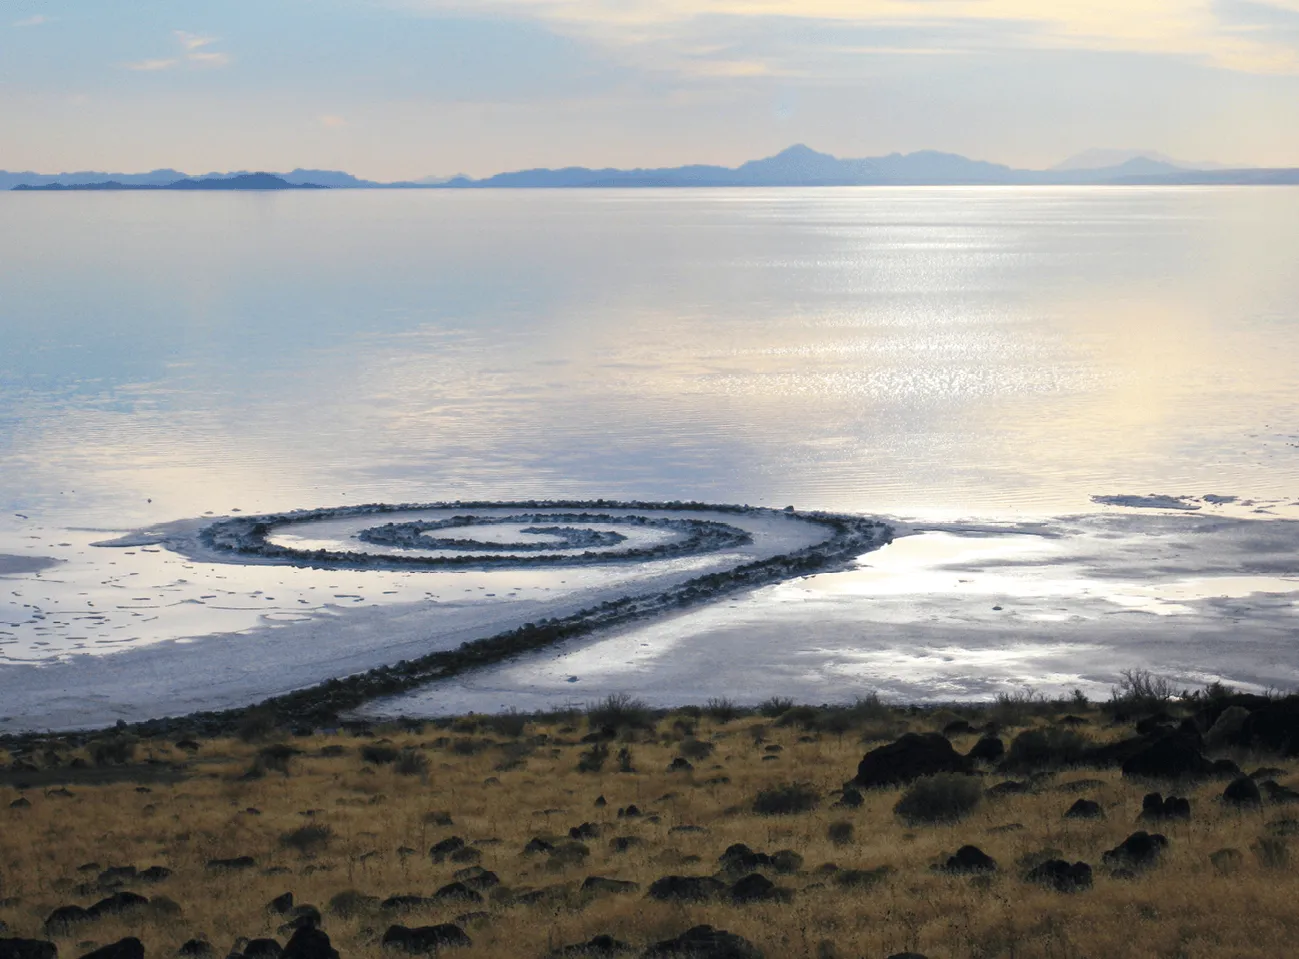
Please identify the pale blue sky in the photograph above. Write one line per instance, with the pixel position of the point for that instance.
(406, 88)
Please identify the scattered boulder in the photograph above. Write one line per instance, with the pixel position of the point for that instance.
(426, 939)
(537, 845)
(599, 886)
(456, 892)
(406, 903)
(740, 859)
(1168, 758)
(686, 889)
(588, 830)
(1010, 787)
(911, 757)
(703, 942)
(477, 878)
(1158, 808)
(196, 949)
(1139, 851)
(281, 905)
(263, 949)
(1085, 809)
(231, 865)
(310, 943)
(850, 798)
(1061, 876)
(128, 948)
(1276, 793)
(27, 949)
(598, 947)
(969, 859)
(958, 727)
(1226, 728)
(756, 887)
(64, 918)
(1242, 793)
(439, 851)
(117, 904)
(154, 874)
(1274, 728)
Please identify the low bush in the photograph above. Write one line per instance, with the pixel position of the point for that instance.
(411, 763)
(593, 760)
(1044, 749)
(379, 755)
(722, 710)
(946, 797)
(696, 749)
(786, 800)
(619, 711)
(113, 751)
(775, 706)
(308, 839)
(277, 757)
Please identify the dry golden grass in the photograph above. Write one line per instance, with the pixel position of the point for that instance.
(513, 789)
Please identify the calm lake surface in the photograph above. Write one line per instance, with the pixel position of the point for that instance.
(934, 351)
(989, 354)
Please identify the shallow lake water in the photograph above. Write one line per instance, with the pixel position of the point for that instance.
(980, 360)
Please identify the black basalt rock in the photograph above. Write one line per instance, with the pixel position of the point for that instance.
(426, 939)
(686, 889)
(1141, 850)
(911, 757)
(1085, 809)
(703, 942)
(969, 859)
(1061, 876)
(18, 948)
(128, 948)
(1242, 793)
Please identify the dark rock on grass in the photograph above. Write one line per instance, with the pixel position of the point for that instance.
(989, 749)
(910, 758)
(969, 859)
(599, 886)
(703, 942)
(1276, 793)
(758, 888)
(588, 830)
(304, 920)
(1061, 876)
(907, 955)
(22, 802)
(406, 903)
(958, 727)
(631, 812)
(441, 850)
(1085, 809)
(786, 861)
(686, 889)
(426, 939)
(1158, 808)
(1267, 772)
(1011, 787)
(116, 874)
(466, 855)
(1274, 728)
(64, 918)
(840, 833)
(310, 943)
(1242, 793)
(128, 948)
(680, 765)
(154, 874)
(196, 949)
(1170, 759)
(18, 948)
(850, 798)
(537, 845)
(1139, 851)
(598, 947)
(623, 843)
(569, 854)
(232, 865)
(117, 904)
(281, 905)
(476, 877)
(740, 859)
(263, 949)
(456, 892)
(349, 904)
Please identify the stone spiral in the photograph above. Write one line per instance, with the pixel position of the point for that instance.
(476, 535)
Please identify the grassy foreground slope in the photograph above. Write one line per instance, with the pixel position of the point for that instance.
(346, 821)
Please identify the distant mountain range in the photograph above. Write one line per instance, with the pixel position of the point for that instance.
(241, 181)
(797, 166)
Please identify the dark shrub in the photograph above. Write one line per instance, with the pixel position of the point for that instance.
(277, 757)
(786, 800)
(113, 751)
(807, 717)
(946, 797)
(379, 755)
(510, 724)
(840, 833)
(257, 724)
(722, 710)
(411, 763)
(1044, 748)
(308, 839)
(592, 761)
(619, 711)
(775, 706)
(696, 749)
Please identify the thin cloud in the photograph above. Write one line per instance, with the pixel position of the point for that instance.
(332, 121)
(192, 41)
(32, 21)
(152, 65)
(209, 58)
